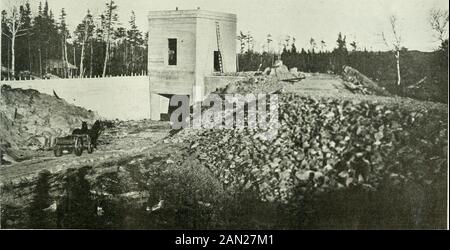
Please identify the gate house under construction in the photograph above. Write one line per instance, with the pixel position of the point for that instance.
(184, 48)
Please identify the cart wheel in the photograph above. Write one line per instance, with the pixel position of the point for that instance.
(78, 149)
(58, 151)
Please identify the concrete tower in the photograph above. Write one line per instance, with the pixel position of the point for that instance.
(183, 49)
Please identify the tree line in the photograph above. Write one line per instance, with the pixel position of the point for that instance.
(422, 75)
(36, 45)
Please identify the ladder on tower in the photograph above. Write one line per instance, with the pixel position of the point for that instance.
(219, 46)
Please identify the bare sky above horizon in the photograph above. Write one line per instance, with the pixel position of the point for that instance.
(360, 20)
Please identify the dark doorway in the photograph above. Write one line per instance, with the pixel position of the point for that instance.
(172, 51)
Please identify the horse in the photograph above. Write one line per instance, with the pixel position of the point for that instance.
(94, 132)
(84, 129)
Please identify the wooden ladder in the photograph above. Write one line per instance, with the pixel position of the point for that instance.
(219, 41)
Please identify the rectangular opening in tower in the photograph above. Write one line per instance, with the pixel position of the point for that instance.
(216, 61)
(172, 51)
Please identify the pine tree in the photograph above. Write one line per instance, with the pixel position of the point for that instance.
(118, 58)
(242, 40)
(249, 41)
(47, 40)
(64, 32)
(25, 46)
(340, 53)
(110, 19)
(46, 9)
(341, 42)
(293, 47)
(134, 37)
(354, 45)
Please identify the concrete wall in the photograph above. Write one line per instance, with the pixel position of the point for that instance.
(125, 98)
(165, 78)
(207, 42)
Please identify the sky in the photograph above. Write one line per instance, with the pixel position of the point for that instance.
(362, 21)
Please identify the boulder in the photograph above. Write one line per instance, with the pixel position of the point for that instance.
(356, 78)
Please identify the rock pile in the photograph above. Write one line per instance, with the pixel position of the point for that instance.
(282, 72)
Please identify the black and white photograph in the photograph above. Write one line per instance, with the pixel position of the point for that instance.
(224, 115)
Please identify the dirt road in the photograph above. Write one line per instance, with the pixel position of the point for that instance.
(126, 139)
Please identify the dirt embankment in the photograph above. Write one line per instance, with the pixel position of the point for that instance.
(30, 120)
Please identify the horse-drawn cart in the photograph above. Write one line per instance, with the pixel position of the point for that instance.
(80, 139)
(73, 143)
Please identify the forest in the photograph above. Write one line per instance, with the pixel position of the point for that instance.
(429, 69)
(99, 46)
(41, 46)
